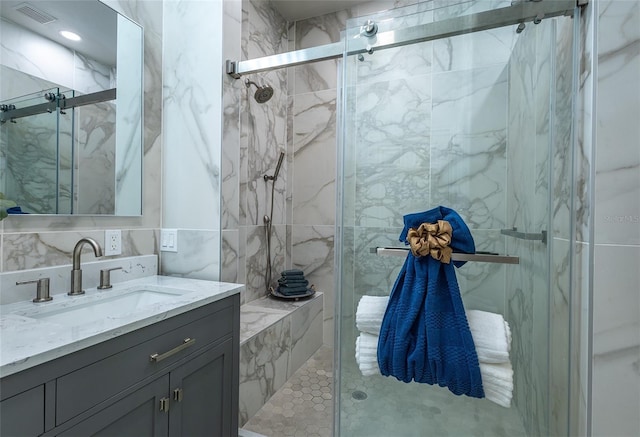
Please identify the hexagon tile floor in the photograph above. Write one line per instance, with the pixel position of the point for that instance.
(303, 406)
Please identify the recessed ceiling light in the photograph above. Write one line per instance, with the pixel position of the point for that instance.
(70, 35)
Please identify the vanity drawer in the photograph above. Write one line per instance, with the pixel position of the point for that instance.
(85, 388)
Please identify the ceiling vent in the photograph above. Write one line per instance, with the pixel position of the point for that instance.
(35, 14)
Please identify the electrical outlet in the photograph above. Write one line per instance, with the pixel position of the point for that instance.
(169, 240)
(112, 242)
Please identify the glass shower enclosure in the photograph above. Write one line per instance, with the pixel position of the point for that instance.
(480, 121)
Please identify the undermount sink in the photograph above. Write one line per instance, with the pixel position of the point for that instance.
(108, 307)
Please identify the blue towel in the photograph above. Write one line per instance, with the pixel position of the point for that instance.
(425, 335)
(293, 282)
(15, 210)
(292, 273)
(292, 291)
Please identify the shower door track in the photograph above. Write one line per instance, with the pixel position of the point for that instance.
(518, 13)
(49, 107)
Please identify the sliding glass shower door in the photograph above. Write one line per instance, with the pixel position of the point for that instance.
(481, 123)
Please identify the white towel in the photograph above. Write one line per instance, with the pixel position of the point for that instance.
(497, 379)
(497, 382)
(370, 313)
(491, 335)
(367, 354)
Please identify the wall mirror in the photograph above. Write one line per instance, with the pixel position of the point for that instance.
(70, 109)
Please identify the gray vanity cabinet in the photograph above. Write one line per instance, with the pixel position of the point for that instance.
(177, 377)
(200, 393)
(136, 415)
(23, 414)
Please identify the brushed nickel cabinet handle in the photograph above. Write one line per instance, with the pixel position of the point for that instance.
(177, 395)
(164, 404)
(155, 358)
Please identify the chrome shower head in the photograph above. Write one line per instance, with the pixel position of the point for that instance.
(263, 93)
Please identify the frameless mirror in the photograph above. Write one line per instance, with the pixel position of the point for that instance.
(70, 109)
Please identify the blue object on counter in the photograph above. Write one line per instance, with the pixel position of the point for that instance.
(15, 210)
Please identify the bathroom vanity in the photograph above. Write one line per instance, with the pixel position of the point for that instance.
(156, 356)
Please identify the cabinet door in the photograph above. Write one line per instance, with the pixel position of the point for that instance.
(136, 415)
(23, 414)
(201, 395)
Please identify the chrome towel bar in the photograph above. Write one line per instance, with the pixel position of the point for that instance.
(475, 257)
(540, 236)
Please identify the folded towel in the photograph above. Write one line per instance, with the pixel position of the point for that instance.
(292, 291)
(491, 335)
(497, 381)
(293, 282)
(16, 210)
(366, 354)
(370, 312)
(425, 335)
(292, 272)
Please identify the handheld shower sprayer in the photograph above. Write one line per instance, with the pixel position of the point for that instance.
(268, 222)
(277, 172)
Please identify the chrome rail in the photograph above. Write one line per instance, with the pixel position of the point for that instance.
(519, 12)
(456, 256)
(538, 236)
(62, 103)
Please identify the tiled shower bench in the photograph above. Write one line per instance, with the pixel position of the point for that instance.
(276, 338)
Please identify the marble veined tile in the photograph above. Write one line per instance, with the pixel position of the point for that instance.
(410, 118)
(312, 250)
(191, 121)
(306, 333)
(479, 49)
(392, 160)
(314, 169)
(96, 128)
(413, 61)
(616, 340)
(617, 187)
(263, 367)
(314, 32)
(255, 319)
(374, 274)
(256, 259)
(468, 156)
(198, 256)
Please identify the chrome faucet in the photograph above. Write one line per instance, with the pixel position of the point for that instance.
(76, 272)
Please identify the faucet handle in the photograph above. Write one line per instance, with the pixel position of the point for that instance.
(105, 278)
(42, 290)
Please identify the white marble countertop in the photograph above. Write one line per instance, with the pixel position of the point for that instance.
(35, 333)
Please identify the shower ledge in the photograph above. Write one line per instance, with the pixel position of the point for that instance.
(276, 339)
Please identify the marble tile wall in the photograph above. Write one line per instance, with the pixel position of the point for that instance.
(253, 136)
(192, 133)
(615, 219)
(95, 183)
(44, 241)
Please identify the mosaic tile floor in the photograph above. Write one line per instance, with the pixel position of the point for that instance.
(304, 405)
(376, 407)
